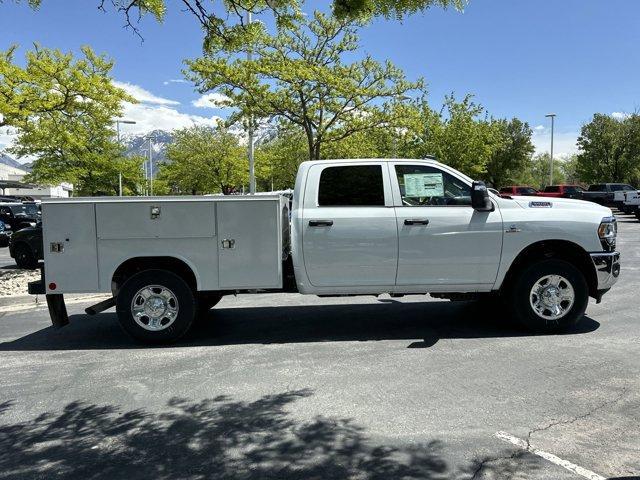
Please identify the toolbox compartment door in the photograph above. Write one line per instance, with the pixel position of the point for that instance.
(70, 250)
(249, 244)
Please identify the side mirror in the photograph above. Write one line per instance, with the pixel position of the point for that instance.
(480, 199)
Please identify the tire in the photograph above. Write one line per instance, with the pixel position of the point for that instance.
(206, 301)
(25, 257)
(530, 306)
(165, 320)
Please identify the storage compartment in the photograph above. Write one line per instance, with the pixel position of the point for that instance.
(155, 219)
(69, 242)
(250, 242)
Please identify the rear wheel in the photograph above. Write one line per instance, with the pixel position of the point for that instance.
(549, 296)
(25, 257)
(156, 306)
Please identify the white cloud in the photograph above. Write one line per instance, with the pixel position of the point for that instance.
(563, 143)
(156, 113)
(212, 100)
(160, 117)
(174, 80)
(142, 95)
(620, 115)
(539, 128)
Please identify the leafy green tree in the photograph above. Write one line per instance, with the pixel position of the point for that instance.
(536, 174)
(204, 160)
(63, 109)
(278, 158)
(300, 76)
(609, 149)
(224, 21)
(512, 152)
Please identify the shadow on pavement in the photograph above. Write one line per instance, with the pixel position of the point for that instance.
(222, 439)
(421, 324)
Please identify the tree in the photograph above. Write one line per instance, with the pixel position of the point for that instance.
(224, 21)
(299, 75)
(278, 158)
(204, 160)
(512, 153)
(63, 111)
(536, 172)
(609, 149)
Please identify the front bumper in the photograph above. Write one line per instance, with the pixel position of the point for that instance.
(607, 265)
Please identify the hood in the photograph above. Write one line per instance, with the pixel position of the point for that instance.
(561, 203)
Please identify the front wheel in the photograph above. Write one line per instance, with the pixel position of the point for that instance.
(549, 296)
(156, 306)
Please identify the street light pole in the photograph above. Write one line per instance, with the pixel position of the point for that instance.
(252, 173)
(118, 122)
(553, 117)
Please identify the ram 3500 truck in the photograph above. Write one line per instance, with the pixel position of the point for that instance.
(356, 227)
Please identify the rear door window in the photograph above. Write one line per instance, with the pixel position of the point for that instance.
(351, 186)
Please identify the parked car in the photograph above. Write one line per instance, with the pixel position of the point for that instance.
(519, 190)
(165, 259)
(562, 191)
(604, 193)
(5, 234)
(20, 215)
(25, 247)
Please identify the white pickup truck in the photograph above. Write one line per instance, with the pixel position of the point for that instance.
(356, 227)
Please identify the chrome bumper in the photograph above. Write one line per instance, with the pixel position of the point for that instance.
(607, 266)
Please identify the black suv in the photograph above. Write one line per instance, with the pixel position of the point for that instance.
(25, 247)
(19, 215)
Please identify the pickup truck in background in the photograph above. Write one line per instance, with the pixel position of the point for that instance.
(519, 190)
(604, 193)
(357, 227)
(562, 191)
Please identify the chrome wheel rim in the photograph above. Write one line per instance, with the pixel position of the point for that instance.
(551, 297)
(154, 308)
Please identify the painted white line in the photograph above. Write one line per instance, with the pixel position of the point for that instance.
(583, 472)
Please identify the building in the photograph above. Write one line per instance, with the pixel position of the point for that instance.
(11, 184)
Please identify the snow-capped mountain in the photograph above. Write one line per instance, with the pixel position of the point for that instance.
(7, 160)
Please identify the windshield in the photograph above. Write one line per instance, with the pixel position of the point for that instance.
(573, 189)
(29, 210)
(527, 191)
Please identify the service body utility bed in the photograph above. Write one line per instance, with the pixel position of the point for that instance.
(230, 242)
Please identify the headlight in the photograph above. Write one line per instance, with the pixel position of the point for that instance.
(607, 231)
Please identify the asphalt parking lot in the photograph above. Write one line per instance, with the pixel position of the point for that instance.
(287, 386)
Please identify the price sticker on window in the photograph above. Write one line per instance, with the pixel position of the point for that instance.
(423, 185)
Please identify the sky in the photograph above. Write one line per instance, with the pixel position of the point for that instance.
(519, 58)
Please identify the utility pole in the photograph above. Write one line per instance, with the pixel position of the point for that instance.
(553, 116)
(252, 173)
(150, 166)
(118, 122)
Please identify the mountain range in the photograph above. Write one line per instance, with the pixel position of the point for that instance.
(160, 139)
(7, 160)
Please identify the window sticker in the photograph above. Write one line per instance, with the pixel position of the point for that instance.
(423, 185)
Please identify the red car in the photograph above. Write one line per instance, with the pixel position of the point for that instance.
(519, 190)
(562, 191)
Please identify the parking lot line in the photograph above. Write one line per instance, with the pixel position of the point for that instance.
(518, 442)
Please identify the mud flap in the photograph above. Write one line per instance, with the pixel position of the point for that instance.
(57, 310)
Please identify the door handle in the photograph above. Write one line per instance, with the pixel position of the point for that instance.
(320, 223)
(416, 221)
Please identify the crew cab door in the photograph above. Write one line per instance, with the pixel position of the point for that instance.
(442, 240)
(349, 229)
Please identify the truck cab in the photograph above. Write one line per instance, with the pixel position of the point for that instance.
(356, 227)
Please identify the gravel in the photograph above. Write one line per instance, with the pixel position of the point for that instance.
(13, 282)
